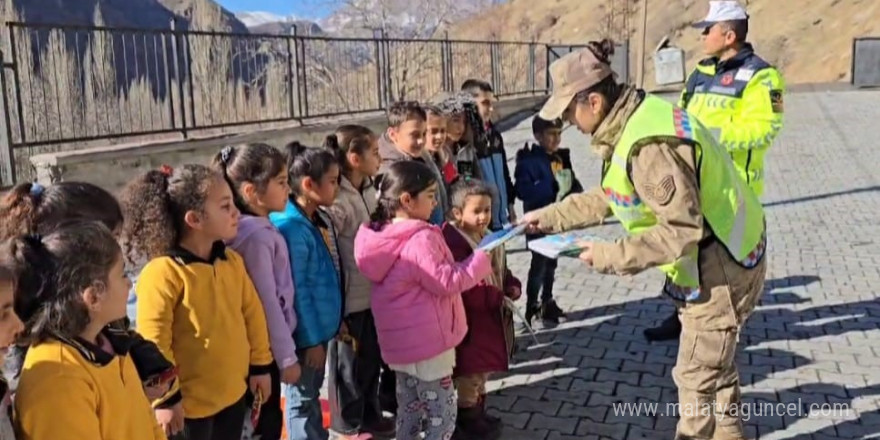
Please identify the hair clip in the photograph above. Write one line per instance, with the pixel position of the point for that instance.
(166, 170)
(37, 189)
(225, 154)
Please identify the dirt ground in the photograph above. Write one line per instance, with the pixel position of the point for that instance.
(809, 40)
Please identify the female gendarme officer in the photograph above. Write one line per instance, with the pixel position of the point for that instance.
(687, 212)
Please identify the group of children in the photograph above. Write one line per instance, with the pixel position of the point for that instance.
(258, 271)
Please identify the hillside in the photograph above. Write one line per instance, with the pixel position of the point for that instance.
(150, 14)
(810, 40)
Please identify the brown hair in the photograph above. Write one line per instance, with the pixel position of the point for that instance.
(155, 204)
(403, 111)
(355, 139)
(53, 271)
(256, 163)
(608, 87)
(31, 208)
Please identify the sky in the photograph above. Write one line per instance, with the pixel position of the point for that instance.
(301, 8)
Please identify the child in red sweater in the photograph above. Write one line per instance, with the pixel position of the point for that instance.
(488, 345)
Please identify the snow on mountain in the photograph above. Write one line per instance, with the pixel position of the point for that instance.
(256, 18)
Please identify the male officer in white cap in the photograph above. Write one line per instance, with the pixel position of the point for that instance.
(738, 96)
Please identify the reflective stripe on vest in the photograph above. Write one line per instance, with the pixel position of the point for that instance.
(730, 208)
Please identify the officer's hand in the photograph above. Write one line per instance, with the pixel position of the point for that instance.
(532, 221)
(586, 252)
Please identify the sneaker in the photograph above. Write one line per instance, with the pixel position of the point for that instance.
(551, 312)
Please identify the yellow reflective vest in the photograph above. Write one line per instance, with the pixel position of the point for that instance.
(732, 211)
(741, 101)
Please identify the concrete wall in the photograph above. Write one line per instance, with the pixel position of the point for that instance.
(112, 166)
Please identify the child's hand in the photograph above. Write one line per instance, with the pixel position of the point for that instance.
(157, 390)
(514, 293)
(262, 385)
(291, 374)
(315, 357)
(343, 331)
(171, 419)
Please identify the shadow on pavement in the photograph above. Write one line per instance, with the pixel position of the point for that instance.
(598, 358)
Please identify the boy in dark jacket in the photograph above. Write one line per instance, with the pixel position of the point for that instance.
(543, 176)
(493, 158)
(488, 345)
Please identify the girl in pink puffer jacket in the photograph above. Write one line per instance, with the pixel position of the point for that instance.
(416, 297)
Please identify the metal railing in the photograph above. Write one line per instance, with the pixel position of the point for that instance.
(64, 85)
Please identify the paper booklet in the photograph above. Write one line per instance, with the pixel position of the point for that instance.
(562, 245)
(501, 237)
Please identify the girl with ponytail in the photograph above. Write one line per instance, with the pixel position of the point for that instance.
(195, 299)
(354, 373)
(31, 208)
(314, 260)
(78, 379)
(257, 176)
(415, 276)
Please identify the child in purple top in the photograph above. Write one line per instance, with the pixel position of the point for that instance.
(257, 174)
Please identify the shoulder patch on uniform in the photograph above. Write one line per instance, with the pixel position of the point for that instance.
(745, 74)
(662, 191)
(776, 100)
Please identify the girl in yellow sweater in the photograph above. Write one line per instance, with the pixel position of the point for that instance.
(195, 299)
(78, 380)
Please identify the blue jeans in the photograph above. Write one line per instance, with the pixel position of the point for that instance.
(302, 407)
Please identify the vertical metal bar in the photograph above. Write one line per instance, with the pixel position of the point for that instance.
(126, 87)
(170, 85)
(13, 47)
(54, 57)
(547, 68)
(377, 52)
(149, 82)
(133, 83)
(17, 83)
(192, 95)
(531, 73)
(290, 81)
(174, 54)
(43, 89)
(7, 162)
(305, 78)
(79, 82)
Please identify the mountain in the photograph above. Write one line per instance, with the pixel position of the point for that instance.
(809, 40)
(149, 14)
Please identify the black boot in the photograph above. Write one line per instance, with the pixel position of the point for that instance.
(551, 313)
(532, 310)
(493, 421)
(471, 424)
(669, 329)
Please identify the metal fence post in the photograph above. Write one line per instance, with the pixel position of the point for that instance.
(493, 67)
(446, 60)
(187, 56)
(532, 67)
(292, 72)
(177, 60)
(7, 154)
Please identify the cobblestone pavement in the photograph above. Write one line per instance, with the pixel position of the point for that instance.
(814, 340)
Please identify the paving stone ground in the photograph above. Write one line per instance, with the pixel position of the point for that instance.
(813, 343)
